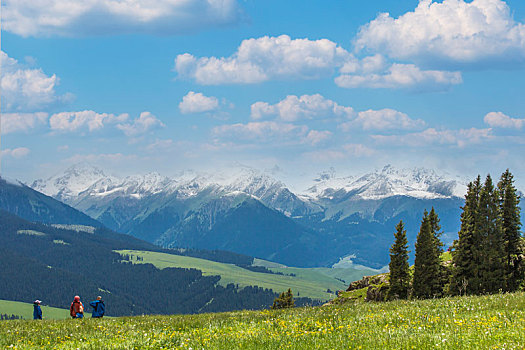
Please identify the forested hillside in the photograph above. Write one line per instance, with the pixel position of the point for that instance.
(54, 264)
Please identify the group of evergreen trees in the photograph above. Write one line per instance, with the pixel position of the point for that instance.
(487, 257)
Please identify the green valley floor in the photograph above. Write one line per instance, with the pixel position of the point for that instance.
(489, 322)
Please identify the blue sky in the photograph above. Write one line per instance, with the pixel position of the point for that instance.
(136, 86)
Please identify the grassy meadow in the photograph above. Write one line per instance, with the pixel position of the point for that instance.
(312, 283)
(489, 322)
(25, 310)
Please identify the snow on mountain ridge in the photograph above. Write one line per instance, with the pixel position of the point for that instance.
(136, 186)
(71, 183)
(244, 179)
(389, 181)
(86, 180)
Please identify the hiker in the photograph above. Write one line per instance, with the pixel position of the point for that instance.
(76, 310)
(37, 311)
(98, 307)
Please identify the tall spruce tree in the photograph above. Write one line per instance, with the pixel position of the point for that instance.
(399, 268)
(427, 264)
(466, 255)
(511, 223)
(492, 268)
(438, 247)
(436, 230)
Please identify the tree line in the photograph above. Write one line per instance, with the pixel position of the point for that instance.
(487, 257)
(5, 317)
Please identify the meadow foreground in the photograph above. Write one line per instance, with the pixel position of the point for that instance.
(489, 322)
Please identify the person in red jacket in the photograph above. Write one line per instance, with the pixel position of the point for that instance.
(76, 310)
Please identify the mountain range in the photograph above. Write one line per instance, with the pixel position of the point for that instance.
(250, 212)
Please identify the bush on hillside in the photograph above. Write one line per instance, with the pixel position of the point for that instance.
(284, 301)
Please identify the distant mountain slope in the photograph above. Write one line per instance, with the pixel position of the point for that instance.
(249, 228)
(32, 205)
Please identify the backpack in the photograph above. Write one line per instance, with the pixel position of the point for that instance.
(74, 309)
(72, 312)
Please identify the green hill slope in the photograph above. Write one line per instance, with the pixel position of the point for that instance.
(311, 283)
(25, 310)
(489, 322)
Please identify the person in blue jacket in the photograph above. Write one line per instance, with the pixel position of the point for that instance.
(37, 311)
(98, 308)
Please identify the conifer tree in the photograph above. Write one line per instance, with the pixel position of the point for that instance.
(438, 250)
(511, 223)
(427, 264)
(466, 254)
(492, 268)
(399, 268)
(436, 230)
(289, 298)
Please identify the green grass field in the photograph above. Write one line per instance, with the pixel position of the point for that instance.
(312, 283)
(26, 310)
(489, 322)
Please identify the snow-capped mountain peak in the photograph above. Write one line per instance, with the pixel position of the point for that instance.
(71, 183)
(390, 181)
(135, 186)
(326, 183)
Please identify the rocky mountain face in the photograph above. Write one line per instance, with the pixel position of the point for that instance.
(250, 212)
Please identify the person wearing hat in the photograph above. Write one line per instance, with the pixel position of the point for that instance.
(76, 310)
(37, 311)
(98, 307)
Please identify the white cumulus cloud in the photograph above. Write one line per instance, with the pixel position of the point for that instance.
(16, 152)
(22, 122)
(448, 32)
(315, 137)
(279, 58)
(27, 89)
(143, 124)
(294, 108)
(384, 119)
(80, 121)
(196, 102)
(501, 120)
(265, 58)
(43, 18)
(315, 107)
(90, 121)
(270, 132)
(397, 76)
